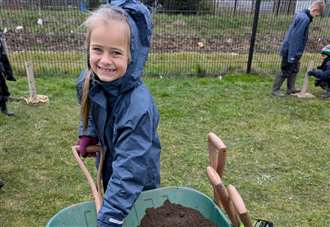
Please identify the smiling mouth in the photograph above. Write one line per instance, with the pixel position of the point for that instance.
(106, 69)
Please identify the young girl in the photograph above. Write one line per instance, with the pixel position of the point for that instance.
(116, 107)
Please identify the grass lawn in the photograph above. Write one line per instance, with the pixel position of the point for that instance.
(278, 148)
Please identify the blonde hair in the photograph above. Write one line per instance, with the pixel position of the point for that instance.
(102, 16)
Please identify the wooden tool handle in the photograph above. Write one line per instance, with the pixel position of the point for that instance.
(93, 148)
(216, 141)
(239, 205)
(217, 153)
(97, 197)
(213, 176)
(237, 199)
(223, 195)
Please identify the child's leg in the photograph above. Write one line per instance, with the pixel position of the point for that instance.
(280, 77)
(293, 70)
(4, 94)
(327, 94)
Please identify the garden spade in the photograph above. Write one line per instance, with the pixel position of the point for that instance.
(223, 195)
(239, 205)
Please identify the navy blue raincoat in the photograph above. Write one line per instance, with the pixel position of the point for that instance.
(296, 37)
(124, 117)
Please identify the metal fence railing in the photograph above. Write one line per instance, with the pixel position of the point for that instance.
(200, 36)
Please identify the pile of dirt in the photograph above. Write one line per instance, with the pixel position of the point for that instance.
(169, 215)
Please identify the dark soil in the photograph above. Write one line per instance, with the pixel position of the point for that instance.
(172, 215)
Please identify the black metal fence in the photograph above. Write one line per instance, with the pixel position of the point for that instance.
(204, 37)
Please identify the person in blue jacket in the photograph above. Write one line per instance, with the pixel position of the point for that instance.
(117, 109)
(322, 73)
(293, 47)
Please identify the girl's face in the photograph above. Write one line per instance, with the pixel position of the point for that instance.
(109, 50)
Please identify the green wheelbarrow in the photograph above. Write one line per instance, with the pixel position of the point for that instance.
(84, 214)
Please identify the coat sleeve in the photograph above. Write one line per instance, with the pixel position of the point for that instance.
(5, 66)
(90, 131)
(296, 41)
(133, 169)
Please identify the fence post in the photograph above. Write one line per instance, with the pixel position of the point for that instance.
(235, 6)
(253, 35)
(278, 7)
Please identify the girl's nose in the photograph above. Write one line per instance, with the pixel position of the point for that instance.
(106, 59)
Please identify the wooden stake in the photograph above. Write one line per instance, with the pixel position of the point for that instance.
(31, 81)
(303, 93)
(305, 84)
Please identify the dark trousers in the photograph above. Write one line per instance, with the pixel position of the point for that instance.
(289, 69)
(289, 72)
(323, 83)
(4, 92)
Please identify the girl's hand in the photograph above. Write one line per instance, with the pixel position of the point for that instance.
(84, 142)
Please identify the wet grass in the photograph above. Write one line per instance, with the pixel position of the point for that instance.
(278, 148)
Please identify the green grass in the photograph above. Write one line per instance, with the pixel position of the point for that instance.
(278, 148)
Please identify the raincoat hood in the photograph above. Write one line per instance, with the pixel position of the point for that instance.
(140, 24)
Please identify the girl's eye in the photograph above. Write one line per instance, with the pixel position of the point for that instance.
(116, 53)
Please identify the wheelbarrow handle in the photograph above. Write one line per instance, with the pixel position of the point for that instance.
(97, 196)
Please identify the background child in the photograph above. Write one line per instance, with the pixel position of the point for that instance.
(116, 107)
(293, 47)
(322, 73)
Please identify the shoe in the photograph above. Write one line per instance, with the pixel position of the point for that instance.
(277, 94)
(294, 91)
(326, 95)
(279, 79)
(291, 81)
(4, 110)
(2, 184)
